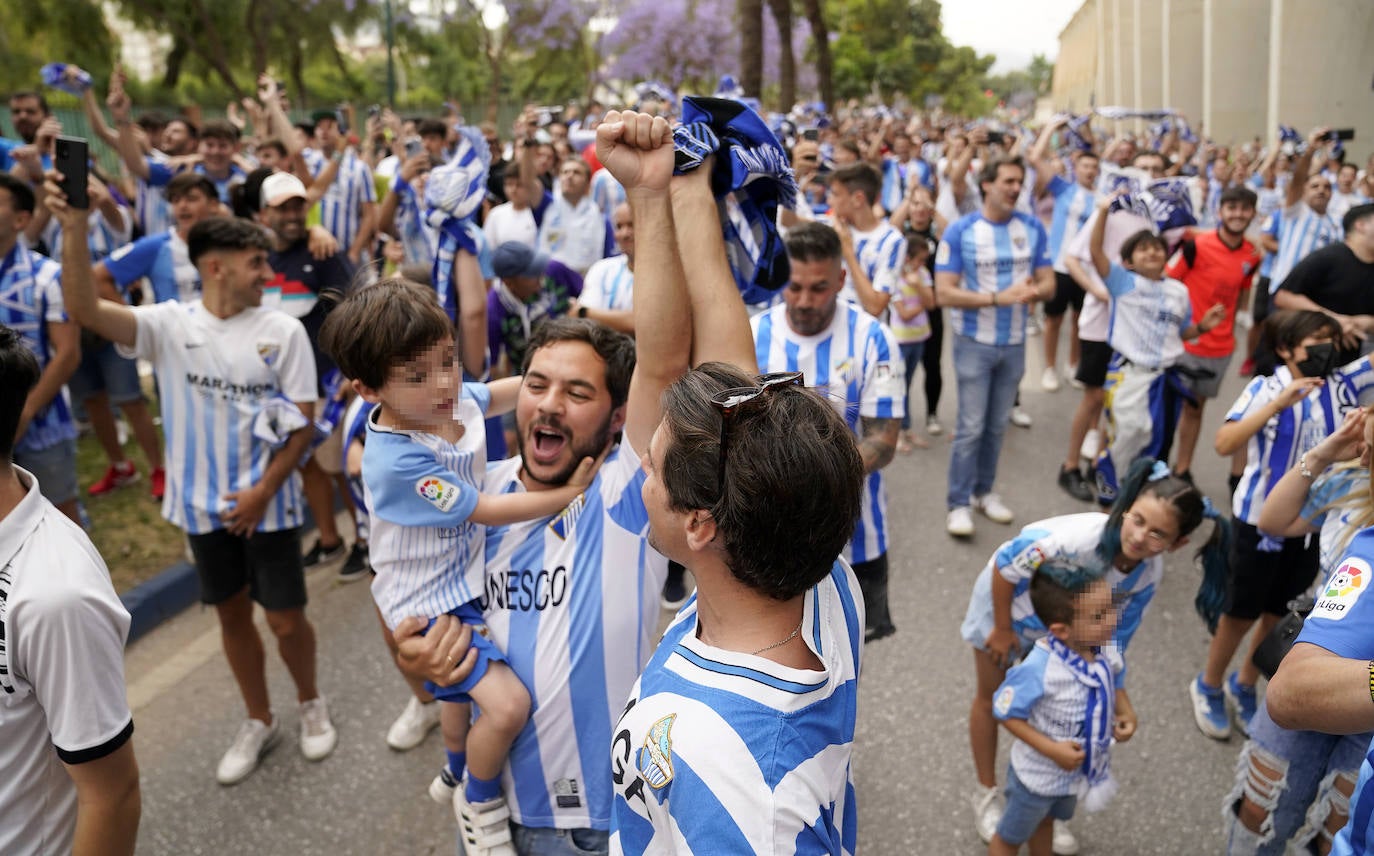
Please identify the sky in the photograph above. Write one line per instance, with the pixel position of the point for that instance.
(1019, 28)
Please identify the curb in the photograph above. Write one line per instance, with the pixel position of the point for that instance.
(154, 601)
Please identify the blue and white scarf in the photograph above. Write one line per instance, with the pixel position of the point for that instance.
(1098, 785)
(453, 196)
(751, 177)
(1165, 202)
(1116, 113)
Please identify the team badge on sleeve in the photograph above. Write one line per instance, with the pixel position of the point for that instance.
(1030, 559)
(1342, 590)
(437, 492)
(655, 760)
(942, 254)
(1004, 700)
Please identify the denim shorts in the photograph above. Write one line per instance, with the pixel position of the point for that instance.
(543, 841)
(1025, 811)
(102, 369)
(55, 469)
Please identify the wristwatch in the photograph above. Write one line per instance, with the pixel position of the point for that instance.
(581, 312)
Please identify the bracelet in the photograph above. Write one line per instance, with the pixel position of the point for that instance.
(1308, 474)
(1371, 680)
(994, 299)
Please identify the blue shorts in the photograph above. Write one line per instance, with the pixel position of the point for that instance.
(487, 653)
(55, 469)
(1025, 811)
(102, 369)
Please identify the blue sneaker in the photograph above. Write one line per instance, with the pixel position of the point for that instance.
(1243, 699)
(1209, 709)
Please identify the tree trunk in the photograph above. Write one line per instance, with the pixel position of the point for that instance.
(820, 34)
(787, 63)
(751, 46)
(175, 58)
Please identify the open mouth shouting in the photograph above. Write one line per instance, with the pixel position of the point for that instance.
(546, 442)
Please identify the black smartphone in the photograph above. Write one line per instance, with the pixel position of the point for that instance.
(996, 138)
(1342, 134)
(812, 134)
(71, 158)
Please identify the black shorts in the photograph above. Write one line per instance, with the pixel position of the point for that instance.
(268, 563)
(1259, 305)
(1263, 581)
(1066, 293)
(1093, 360)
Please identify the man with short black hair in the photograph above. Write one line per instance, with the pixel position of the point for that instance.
(231, 373)
(71, 779)
(873, 249)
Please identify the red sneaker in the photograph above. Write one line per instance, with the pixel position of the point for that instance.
(1247, 367)
(115, 477)
(158, 480)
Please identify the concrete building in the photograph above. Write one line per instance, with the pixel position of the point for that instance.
(1238, 68)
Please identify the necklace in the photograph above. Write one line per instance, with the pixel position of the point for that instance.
(782, 642)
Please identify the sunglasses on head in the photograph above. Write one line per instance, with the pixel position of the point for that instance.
(729, 401)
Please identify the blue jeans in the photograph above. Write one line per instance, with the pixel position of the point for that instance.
(541, 841)
(1026, 810)
(911, 358)
(988, 376)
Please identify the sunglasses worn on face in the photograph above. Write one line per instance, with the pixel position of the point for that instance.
(729, 401)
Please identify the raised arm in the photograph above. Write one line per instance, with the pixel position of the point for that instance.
(1101, 263)
(129, 140)
(107, 318)
(1302, 165)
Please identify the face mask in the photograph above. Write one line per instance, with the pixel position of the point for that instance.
(1321, 359)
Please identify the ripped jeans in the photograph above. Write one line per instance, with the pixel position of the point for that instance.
(1296, 803)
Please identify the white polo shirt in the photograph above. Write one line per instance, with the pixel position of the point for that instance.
(62, 696)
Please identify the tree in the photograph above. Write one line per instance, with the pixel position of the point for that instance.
(751, 46)
(33, 32)
(1022, 86)
(820, 42)
(787, 62)
(683, 42)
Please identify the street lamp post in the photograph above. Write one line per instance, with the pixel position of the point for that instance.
(390, 58)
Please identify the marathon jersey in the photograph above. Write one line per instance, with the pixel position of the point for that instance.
(991, 257)
(420, 491)
(30, 300)
(214, 376)
(573, 601)
(1215, 274)
(163, 259)
(726, 752)
(1276, 447)
(1072, 539)
(857, 367)
(1340, 623)
(1148, 317)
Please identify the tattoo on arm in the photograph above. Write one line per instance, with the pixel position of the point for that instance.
(879, 442)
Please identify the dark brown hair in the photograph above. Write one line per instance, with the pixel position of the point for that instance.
(615, 349)
(381, 326)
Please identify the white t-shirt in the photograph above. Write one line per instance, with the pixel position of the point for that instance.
(214, 376)
(62, 695)
(1095, 318)
(504, 223)
(609, 285)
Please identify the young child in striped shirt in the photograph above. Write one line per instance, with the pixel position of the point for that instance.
(1063, 707)
(422, 470)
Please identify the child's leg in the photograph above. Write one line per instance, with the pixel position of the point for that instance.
(998, 847)
(1042, 842)
(1230, 632)
(454, 719)
(982, 725)
(505, 706)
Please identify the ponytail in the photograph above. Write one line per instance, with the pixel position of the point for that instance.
(1214, 557)
(1141, 472)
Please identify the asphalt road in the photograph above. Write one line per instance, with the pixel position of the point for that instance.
(912, 765)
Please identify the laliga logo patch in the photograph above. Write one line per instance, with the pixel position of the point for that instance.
(1031, 558)
(437, 492)
(1343, 589)
(1004, 698)
(655, 760)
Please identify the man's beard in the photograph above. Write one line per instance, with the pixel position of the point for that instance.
(589, 449)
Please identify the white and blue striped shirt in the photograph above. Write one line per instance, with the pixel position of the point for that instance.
(1073, 203)
(609, 284)
(102, 237)
(214, 376)
(576, 235)
(1301, 231)
(419, 239)
(341, 205)
(150, 205)
(164, 260)
(991, 257)
(160, 174)
(881, 254)
(420, 491)
(573, 602)
(1148, 317)
(1045, 692)
(1276, 447)
(726, 752)
(30, 300)
(606, 192)
(857, 366)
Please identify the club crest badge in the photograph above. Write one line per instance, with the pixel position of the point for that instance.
(655, 759)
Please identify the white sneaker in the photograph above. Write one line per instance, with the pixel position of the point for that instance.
(1020, 418)
(992, 507)
(933, 426)
(1092, 443)
(1049, 379)
(1073, 377)
(959, 522)
(318, 737)
(987, 811)
(413, 725)
(442, 788)
(484, 827)
(253, 741)
(1065, 844)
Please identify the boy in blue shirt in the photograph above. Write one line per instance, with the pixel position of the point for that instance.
(423, 464)
(1064, 709)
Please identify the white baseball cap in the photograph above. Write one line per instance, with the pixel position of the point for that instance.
(279, 187)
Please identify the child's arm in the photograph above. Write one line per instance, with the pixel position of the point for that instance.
(504, 393)
(1067, 754)
(1124, 727)
(1210, 319)
(1232, 435)
(1101, 262)
(507, 508)
(1001, 639)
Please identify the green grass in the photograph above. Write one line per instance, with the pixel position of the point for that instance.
(126, 524)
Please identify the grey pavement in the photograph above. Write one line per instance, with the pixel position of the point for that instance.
(912, 765)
